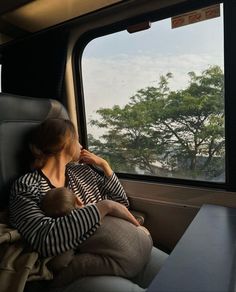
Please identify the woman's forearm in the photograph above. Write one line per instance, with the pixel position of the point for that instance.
(108, 207)
(106, 168)
(104, 208)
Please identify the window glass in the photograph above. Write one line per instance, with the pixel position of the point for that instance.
(154, 100)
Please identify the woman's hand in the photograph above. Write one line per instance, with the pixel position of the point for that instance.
(91, 158)
(108, 207)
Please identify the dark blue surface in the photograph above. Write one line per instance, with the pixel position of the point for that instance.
(204, 258)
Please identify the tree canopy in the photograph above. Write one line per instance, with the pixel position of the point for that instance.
(167, 133)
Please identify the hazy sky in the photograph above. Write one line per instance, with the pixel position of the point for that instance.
(114, 67)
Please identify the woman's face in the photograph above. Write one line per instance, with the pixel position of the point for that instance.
(74, 148)
(77, 150)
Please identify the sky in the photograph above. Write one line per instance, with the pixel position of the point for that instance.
(114, 67)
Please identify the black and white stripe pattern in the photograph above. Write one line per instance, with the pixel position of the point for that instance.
(53, 236)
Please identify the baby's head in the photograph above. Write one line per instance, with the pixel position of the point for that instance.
(59, 202)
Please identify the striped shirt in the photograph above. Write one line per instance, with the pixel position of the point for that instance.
(52, 236)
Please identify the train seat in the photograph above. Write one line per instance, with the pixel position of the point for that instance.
(18, 116)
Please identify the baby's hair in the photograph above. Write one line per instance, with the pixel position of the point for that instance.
(58, 202)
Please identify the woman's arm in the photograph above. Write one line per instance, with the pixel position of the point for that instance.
(108, 207)
(91, 158)
(47, 235)
(110, 186)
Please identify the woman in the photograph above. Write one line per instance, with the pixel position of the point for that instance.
(56, 150)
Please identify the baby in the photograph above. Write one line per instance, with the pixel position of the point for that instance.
(118, 247)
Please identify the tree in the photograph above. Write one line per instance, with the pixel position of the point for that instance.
(168, 133)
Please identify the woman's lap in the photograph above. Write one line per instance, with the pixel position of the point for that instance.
(145, 277)
(118, 284)
(101, 284)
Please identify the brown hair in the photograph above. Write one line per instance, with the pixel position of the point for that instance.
(49, 139)
(58, 202)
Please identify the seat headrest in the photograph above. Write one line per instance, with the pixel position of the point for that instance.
(19, 115)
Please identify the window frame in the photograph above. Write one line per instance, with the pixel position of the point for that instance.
(230, 91)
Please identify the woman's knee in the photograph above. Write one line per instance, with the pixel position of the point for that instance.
(156, 261)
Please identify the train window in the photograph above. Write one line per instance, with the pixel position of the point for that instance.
(154, 100)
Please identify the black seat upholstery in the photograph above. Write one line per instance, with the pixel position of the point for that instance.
(18, 116)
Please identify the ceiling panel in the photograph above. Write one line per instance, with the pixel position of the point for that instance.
(40, 14)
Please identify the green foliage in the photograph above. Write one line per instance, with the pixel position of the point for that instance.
(167, 133)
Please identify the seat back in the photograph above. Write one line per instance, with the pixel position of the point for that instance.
(19, 115)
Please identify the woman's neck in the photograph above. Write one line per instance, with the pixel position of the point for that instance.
(54, 169)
